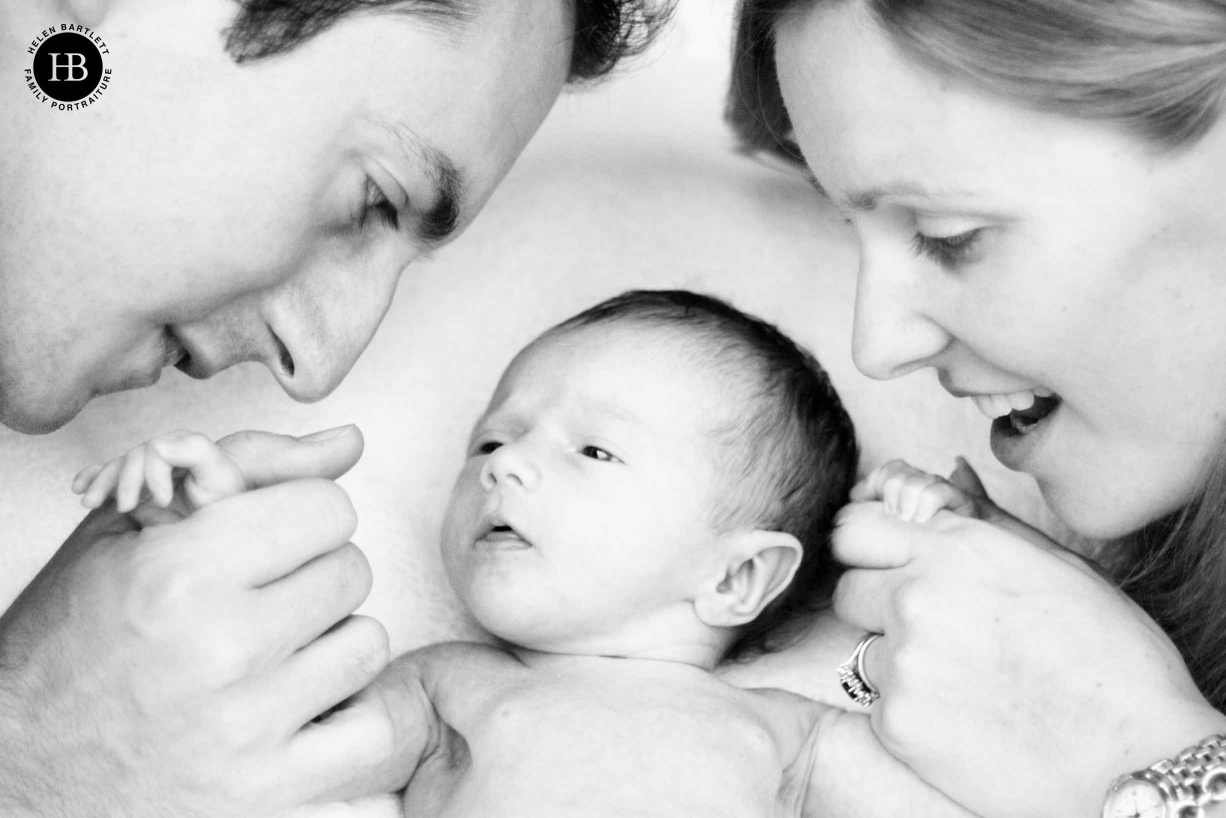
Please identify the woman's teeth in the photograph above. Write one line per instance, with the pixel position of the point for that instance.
(996, 406)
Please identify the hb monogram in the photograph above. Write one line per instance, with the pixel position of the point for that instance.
(72, 65)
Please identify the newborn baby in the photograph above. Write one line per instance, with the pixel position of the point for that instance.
(649, 492)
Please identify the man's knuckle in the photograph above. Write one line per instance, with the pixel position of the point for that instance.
(237, 728)
(221, 657)
(160, 593)
(332, 502)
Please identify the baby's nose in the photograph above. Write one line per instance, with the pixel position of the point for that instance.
(511, 465)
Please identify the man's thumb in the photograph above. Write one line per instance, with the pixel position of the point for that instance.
(267, 459)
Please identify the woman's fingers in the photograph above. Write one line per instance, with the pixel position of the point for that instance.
(863, 598)
(867, 536)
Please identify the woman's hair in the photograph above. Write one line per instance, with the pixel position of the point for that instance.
(606, 31)
(787, 451)
(1154, 67)
(1175, 569)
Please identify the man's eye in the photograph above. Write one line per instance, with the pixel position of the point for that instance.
(597, 453)
(376, 203)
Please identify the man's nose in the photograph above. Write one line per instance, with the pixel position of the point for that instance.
(511, 465)
(894, 332)
(324, 326)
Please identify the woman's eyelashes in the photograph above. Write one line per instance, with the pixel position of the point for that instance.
(375, 202)
(947, 251)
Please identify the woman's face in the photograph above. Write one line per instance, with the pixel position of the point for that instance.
(1018, 252)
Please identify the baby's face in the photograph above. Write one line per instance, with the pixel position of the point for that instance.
(581, 522)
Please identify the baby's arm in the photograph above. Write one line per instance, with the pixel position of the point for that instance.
(143, 481)
(416, 690)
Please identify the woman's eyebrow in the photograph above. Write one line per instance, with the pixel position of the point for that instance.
(864, 200)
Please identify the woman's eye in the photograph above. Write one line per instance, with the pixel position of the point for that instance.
(948, 251)
(376, 202)
(597, 453)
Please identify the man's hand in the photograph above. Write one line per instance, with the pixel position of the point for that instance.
(178, 670)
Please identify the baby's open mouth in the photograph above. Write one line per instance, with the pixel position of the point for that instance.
(503, 535)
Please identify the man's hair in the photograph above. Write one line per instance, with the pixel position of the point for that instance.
(788, 450)
(606, 31)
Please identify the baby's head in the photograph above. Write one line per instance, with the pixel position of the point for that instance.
(656, 477)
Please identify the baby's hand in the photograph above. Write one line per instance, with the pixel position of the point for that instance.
(915, 495)
(143, 481)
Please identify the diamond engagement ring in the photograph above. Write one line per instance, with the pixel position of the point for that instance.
(853, 678)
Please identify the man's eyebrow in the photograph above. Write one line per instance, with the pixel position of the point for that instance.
(434, 228)
(448, 14)
(440, 222)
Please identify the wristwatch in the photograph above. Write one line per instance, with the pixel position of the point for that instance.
(1178, 787)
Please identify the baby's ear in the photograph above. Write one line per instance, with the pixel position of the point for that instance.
(759, 567)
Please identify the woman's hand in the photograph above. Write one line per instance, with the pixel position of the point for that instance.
(1013, 677)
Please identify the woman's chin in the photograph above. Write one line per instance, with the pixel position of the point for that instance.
(1097, 515)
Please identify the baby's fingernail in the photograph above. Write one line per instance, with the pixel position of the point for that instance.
(327, 434)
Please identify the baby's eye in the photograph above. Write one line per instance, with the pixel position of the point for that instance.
(486, 447)
(597, 453)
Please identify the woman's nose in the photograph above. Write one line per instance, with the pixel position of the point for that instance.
(893, 333)
(511, 465)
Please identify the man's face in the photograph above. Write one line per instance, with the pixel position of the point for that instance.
(203, 213)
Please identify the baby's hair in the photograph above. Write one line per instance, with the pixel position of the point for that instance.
(789, 450)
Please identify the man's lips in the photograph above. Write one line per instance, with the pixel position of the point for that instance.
(174, 353)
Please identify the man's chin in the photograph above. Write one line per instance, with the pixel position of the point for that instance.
(37, 417)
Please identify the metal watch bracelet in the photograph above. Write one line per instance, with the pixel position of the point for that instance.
(1192, 779)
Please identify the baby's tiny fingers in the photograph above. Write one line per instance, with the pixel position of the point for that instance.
(84, 477)
(872, 487)
(131, 480)
(912, 490)
(103, 484)
(159, 477)
(940, 495)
